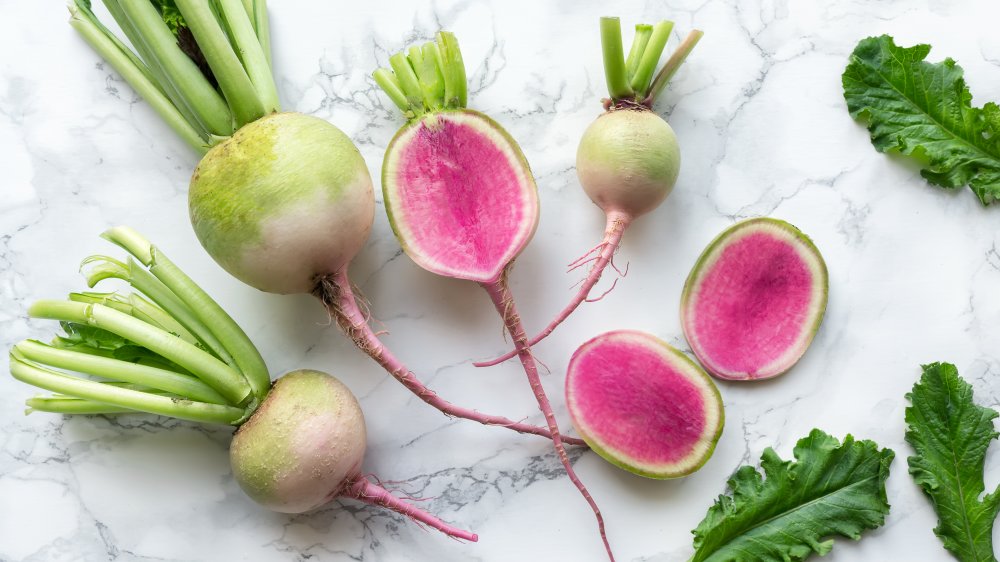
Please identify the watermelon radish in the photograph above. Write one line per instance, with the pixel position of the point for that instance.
(643, 405)
(460, 196)
(628, 159)
(170, 349)
(754, 300)
(282, 201)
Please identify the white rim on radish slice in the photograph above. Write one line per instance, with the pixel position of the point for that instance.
(643, 405)
(754, 300)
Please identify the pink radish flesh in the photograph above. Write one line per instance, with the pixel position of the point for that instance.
(643, 405)
(460, 196)
(754, 300)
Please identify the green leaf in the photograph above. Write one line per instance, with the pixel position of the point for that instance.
(171, 15)
(950, 435)
(924, 110)
(794, 508)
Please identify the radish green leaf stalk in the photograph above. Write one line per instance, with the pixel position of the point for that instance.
(282, 201)
(299, 444)
(460, 196)
(950, 435)
(628, 159)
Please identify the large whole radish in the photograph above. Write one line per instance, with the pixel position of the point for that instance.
(460, 196)
(170, 349)
(628, 159)
(283, 201)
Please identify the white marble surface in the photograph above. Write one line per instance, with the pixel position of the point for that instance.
(764, 131)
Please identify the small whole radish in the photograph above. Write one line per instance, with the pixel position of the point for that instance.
(170, 349)
(628, 159)
(282, 201)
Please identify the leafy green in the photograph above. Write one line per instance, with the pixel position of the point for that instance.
(924, 110)
(790, 511)
(950, 435)
(171, 15)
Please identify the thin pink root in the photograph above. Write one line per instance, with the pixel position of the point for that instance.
(605, 293)
(336, 293)
(616, 225)
(504, 303)
(360, 488)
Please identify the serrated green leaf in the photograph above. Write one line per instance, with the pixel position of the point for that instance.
(950, 435)
(795, 507)
(924, 110)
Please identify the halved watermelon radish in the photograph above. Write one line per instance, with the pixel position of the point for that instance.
(643, 405)
(461, 198)
(459, 194)
(754, 300)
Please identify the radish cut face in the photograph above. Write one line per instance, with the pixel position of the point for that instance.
(754, 300)
(459, 194)
(643, 405)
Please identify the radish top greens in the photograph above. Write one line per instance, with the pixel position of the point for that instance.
(830, 489)
(950, 435)
(924, 110)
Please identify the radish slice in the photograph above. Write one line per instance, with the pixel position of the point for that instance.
(754, 300)
(643, 405)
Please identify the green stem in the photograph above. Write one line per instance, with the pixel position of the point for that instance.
(262, 26)
(206, 367)
(251, 53)
(60, 404)
(651, 58)
(36, 375)
(642, 33)
(390, 85)
(673, 63)
(138, 307)
(408, 82)
(136, 74)
(236, 86)
(115, 369)
(149, 285)
(221, 324)
(178, 69)
(428, 67)
(453, 69)
(614, 59)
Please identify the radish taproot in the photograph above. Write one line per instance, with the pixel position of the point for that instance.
(299, 444)
(628, 159)
(643, 405)
(282, 201)
(754, 300)
(460, 196)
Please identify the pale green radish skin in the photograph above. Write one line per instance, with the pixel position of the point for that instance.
(628, 161)
(303, 444)
(284, 201)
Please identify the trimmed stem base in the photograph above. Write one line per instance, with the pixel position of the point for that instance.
(360, 488)
(504, 302)
(336, 294)
(616, 225)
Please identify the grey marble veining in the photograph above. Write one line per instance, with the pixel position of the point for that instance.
(764, 131)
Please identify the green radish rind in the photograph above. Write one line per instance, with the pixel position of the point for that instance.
(711, 399)
(810, 254)
(515, 157)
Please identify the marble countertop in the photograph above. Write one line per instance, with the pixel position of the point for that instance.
(764, 131)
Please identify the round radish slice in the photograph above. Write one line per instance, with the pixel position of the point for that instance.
(643, 405)
(754, 300)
